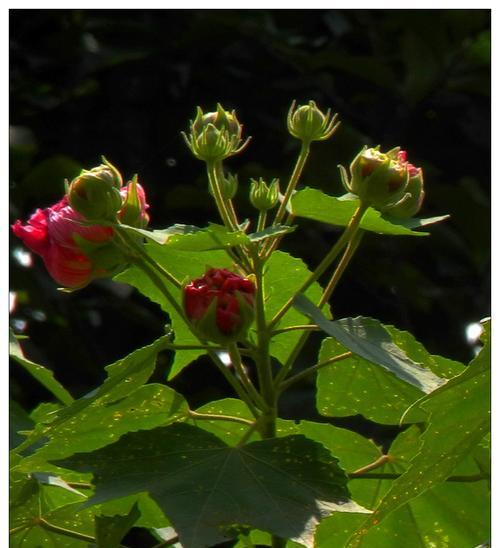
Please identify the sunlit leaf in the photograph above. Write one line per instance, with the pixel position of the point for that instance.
(283, 485)
(314, 204)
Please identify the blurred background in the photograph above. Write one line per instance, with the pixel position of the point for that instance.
(125, 83)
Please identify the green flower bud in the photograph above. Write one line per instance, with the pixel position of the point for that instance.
(229, 186)
(380, 180)
(411, 202)
(308, 123)
(95, 193)
(263, 196)
(215, 136)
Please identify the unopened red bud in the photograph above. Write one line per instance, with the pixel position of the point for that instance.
(220, 305)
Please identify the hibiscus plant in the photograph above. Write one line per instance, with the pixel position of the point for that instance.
(133, 453)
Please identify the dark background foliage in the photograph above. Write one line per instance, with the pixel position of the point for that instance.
(125, 83)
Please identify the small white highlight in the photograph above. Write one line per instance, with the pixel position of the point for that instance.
(472, 332)
(23, 257)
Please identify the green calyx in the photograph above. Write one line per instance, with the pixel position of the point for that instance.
(215, 136)
(263, 196)
(380, 180)
(95, 193)
(308, 123)
(208, 328)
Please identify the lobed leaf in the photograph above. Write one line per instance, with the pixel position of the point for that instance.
(459, 418)
(285, 485)
(367, 338)
(358, 386)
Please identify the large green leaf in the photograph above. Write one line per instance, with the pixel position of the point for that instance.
(356, 385)
(283, 276)
(102, 423)
(285, 486)
(124, 376)
(182, 265)
(313, 204)
(459, 418)
(44, 376)
(367, 338)
(450, 514)
(35, 507)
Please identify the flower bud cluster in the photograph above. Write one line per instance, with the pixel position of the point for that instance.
(385, 181)
(215, 136)
(264, 196)
(74, 251)
(220, 305)
(308, 123)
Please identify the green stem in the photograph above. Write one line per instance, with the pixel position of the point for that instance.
(263, 358)
(349, 252)
(157, 281)
(346, 236)
(245, 380)
(219, 173)
(261, 221)
(215, 417)
(219, 200)
(388, 476)
(294, 179)
(306, 372)
(305, 327)
(139, 251)
(62, 531)
(292, 184)
(349, 235)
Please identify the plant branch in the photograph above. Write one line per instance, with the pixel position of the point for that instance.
(137, 249)
(245, 380)
(215, 417)
(306, 372)
(348, 254)
(294, 179)
(388, 476)
(346, 236)
(62, 531)
(305, 327)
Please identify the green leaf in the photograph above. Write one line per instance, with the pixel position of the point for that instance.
(111, 530)
(367, 338)
(284, 486)
(19, 420)
(35, 507)
(182, 265)
(103, 422)
(271, 232)
(313, 204)
(459, 419)
(450, 514)
(150, 514)
(354, 385)
(229, 432)
(193, 238)
(124, 376)
(44, 376)
(283, 276)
